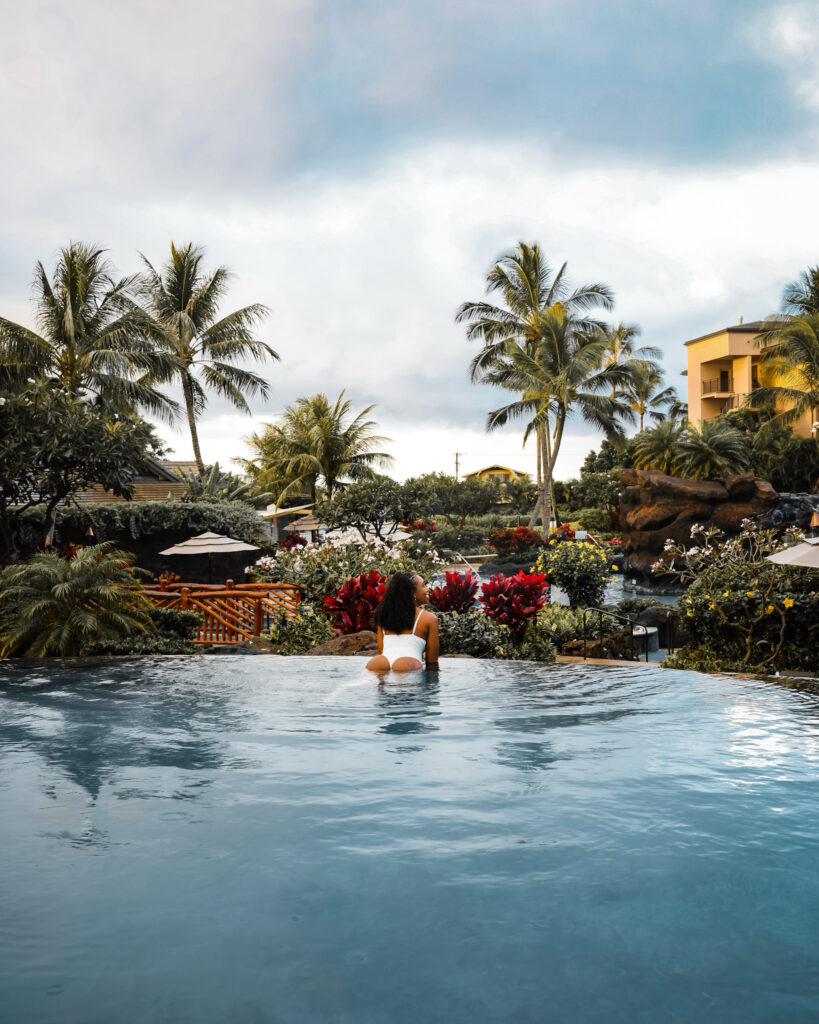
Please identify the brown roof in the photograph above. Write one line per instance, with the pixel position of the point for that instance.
(142, 490)
(177, 466)
(305, 523)
(754, 327)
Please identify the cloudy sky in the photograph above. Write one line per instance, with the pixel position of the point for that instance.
(360, 164)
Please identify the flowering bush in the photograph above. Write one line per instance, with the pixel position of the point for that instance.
(740, 610)
(580, 568)
(353, 606)
(293, 540)
(419, 525)
(563, 532)
(514, 541)
(168, 577)
(514, 601)
(456, 595)
(474, 634)
(320, 569)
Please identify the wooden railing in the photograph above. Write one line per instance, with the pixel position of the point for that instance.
(230, 613)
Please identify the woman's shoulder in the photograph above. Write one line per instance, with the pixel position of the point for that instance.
(428, 617)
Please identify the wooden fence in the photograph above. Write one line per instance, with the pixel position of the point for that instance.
(230, 613)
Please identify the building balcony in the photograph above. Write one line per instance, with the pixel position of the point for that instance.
(722, 385)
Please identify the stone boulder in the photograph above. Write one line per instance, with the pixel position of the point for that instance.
(364, 642)
(657, 507)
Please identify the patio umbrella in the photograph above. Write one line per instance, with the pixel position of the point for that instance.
(209, 544)
(805, 555)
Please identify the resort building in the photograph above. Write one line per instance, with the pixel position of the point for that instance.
(723, 369)
(502, 473)
(156, 483)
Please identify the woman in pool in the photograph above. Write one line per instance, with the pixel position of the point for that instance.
(407, 635)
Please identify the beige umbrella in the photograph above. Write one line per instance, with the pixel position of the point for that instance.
(805, 555)
(209, 544)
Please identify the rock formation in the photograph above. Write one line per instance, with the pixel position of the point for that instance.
(656, 507)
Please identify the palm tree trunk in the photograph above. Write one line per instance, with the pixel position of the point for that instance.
(544, 500)
(539, 449)
(187, 391)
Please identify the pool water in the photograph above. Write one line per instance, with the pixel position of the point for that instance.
(227, 839)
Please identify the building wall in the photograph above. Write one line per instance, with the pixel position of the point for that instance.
(721, 373)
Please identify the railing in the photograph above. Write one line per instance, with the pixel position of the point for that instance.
(457, 554)
(734, 402)
(620, 618)
(714, 386)
(230, 613)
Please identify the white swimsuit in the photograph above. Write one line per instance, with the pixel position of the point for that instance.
(404, 645)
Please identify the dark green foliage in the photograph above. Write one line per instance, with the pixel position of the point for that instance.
(218, 486)
(463, 539)
(52, 606)
(560, 625)
(473, 633)
(370, 506)
(535, 645)
(295, 636)
(52, 444)
(595, 520)
(172, 634)
(779, 455)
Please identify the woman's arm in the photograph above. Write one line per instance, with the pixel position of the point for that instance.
(380, 635)
(432, 644)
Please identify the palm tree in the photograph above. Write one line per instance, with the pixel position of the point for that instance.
(527, 286)
(53, 606)
(716, 449)
(564, 375)
(316, 441)
(93, 337)
(647, 394)
(801, 297)
(790, 354)
(185, 302)
(659, 447)
(622, 348)
(220, 486)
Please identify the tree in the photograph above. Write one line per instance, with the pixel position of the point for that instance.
(622, 349)
(52, 606)
(562, 377)
(315, 441)
(659, 447)
(647, 395)
(93, 338)
(716, 449)
(370, 506)
(53, 444)
(439, 494)
(204, 346)
(801, 297)
(790, 354)
(528, 287)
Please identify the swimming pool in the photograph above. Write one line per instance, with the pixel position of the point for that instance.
(228, 839)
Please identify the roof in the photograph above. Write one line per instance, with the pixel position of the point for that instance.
(305, 523)
(208, 544)
(754, 327)
(274, 512)
(489, 469)
(177, 466)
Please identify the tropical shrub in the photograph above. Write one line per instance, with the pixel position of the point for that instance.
(173, 633)
(514, 601)
(419, 525)
(295, 636)
(466, 539)
(579, 568)
(474, 634)
(514, 541)
(559, 624)
(456, 595)
(535, 645)
(353, 606)
(741, 611)
(53, 606)
(595, 520)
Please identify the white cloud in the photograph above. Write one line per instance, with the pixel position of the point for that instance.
(788, 35)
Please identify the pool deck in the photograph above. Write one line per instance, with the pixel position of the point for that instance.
(572, 659)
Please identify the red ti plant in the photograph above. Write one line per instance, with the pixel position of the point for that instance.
(513, 541)
(456, 595)
(515, 600)
(353, 606)
(293, 540)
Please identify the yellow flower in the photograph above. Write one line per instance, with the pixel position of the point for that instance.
(750, 593)
(689, 613)
(614, 568)
(769, 609)
(712, 605)
(788, 602)
(725, 593)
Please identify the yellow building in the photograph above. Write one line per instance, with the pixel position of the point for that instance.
(502, 473)
(723, 369)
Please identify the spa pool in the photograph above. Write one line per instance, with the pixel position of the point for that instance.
(228, 839)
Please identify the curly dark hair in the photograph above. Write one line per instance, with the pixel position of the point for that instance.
(396, 610)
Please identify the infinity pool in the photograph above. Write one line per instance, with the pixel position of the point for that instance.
(220, 840)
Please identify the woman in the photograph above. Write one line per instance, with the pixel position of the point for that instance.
(406, 633)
